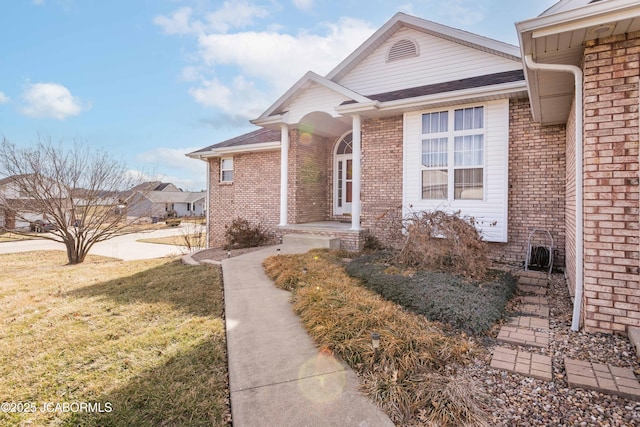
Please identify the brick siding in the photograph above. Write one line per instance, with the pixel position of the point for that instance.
(382, 175)
(611, 209)
(254, 193)
(536, 186)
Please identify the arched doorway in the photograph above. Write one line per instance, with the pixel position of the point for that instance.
(343, 175)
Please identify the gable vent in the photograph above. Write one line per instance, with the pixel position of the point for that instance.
(402, 49)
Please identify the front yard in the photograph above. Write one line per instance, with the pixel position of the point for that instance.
(108, 342)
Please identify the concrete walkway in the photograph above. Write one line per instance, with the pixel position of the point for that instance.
(125, 247)
(277, 376)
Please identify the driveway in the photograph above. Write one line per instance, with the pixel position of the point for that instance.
(124, 247)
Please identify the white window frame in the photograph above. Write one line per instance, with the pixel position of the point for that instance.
(224, 169)
(490, 212)
(450, 135)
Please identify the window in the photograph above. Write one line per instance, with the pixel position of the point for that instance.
(453, 154)
(226, 169)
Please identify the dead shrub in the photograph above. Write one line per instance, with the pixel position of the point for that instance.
(242, 234)
(445, 242)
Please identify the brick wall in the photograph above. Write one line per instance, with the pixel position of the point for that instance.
(381, 175)
(611, 269)
(254, 193)
(536, 185)
(308, 177)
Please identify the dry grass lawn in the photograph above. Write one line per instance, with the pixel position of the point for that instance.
(195, 240)
(141, 341)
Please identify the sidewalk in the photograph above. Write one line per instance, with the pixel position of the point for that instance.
(277, 376)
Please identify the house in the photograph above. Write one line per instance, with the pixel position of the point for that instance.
(157, 199)
(422, 116)
(18, 209)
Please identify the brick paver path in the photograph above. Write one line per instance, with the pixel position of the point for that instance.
(524, 336)
(522, 362)
(604, 378)
(532, 330)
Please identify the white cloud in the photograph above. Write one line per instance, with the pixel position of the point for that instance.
(186, 173)
(238, 100)
(462, 12)
(51, 100)
(279, 60)
(277, 57)
(240, 73)
(232, 14)
(4, 98)
(178, 23)
(303, 4)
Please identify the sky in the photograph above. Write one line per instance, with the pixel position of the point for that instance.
(151, 80)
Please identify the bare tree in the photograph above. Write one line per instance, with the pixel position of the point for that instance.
(83, 193)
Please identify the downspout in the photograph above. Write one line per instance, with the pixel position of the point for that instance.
(577, 73)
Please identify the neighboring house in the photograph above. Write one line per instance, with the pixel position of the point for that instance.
(17, 209)
(156, 199)
(423, 116)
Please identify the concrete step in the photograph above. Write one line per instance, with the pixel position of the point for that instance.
(312, 240)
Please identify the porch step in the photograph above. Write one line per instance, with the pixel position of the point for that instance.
(313, 240)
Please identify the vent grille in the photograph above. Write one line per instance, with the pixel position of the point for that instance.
(402, 49)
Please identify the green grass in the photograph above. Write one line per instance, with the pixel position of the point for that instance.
(145, 339)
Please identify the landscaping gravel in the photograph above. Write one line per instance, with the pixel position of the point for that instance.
(516, 400)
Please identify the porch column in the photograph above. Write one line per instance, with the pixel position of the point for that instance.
(284, 172)
(356, 171)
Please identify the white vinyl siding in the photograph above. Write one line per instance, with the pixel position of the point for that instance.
(316, 98)
(439, 61)
(489, 211)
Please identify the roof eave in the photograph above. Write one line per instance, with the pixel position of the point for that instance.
(225, 151)
(503, 90)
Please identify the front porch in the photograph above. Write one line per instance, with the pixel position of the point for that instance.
(350, 239)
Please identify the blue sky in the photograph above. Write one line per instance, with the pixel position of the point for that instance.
(150, 80)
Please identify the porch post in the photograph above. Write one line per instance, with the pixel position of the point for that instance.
(356, 148)
(284, 172)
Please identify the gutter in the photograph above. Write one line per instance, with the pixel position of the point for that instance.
(577, 73)
(223, 151)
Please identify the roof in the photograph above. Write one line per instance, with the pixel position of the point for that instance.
(433, 28)
(473, 82)
(175, 196)
(262, 138)
(558, 37)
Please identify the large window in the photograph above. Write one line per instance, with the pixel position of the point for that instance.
(226, 169)
(453, 154)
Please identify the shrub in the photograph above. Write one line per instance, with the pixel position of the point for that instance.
(242, 234)
(471, 306)
(340, 316)
(445, 242)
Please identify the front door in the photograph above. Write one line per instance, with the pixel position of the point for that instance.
(343, 176)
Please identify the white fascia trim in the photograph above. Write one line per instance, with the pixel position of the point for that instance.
(462, 95)
(248, 148)
(430, 27)
(593, 14)
(310, 76)
(359, 107)
(269, 120)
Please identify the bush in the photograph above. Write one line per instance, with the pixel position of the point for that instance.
(471, 306)
(415, 356)
(242, 234)
(445, 242)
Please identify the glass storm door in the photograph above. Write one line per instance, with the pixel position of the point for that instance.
(343, 176)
